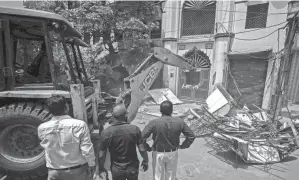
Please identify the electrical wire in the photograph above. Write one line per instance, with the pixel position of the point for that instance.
(241, 39)
(261, 28)
(240, 32)
(257, 38)
(202, 9)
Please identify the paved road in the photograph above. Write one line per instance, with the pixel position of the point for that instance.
(200, 162)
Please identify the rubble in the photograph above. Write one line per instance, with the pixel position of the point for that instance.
(252, 136)
(160, 95)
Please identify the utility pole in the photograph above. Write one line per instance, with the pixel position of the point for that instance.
(284, 69)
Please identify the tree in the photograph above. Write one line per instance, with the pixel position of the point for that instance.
(115, 22)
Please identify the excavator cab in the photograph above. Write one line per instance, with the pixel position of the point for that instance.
(44, 51)
(40, 56)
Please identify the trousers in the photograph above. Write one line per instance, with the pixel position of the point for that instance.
(131, 173)
(165, 165)
(81, 173)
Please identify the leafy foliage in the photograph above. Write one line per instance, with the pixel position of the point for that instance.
(127, 19)
(115, 22)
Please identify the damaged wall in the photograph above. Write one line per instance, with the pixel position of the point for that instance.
(250, 75)
(194, 85)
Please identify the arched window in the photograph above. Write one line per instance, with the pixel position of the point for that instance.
(198, 17)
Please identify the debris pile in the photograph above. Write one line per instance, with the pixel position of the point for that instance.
(252, 136)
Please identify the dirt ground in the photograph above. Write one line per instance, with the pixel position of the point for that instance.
(201, 162)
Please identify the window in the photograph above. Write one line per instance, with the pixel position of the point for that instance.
(198, 17)
(256, 16)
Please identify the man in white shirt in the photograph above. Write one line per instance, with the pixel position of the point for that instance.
(67, 143)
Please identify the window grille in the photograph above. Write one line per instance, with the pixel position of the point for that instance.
(256, 16)
(198, 17)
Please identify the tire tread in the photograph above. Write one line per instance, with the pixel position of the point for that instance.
(33, 109)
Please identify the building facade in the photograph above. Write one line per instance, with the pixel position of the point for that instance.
(239, 39)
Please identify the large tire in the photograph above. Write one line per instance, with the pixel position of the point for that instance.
(21, 156)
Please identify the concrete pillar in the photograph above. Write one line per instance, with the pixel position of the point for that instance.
(170, 73)
(220, 61)
(222, 43)
(170, 27)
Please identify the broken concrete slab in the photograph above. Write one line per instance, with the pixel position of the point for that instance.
(160, 95)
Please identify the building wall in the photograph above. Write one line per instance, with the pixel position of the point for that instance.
(230, 17)
(171, 30)
(255, 40)
(270, 42)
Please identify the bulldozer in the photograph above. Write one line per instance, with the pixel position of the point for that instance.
(39, 57)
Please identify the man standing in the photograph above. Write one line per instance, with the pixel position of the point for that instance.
(68, 148)
(166, 132)
(121, 139)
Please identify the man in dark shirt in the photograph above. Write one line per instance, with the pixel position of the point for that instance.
(166, 132)
(121, 139)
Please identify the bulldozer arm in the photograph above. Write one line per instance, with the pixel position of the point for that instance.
(146, 73)
(140, 85)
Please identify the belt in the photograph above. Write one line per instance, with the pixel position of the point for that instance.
(166, 150)
(69, 168)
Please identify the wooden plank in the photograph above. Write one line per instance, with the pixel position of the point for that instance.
(50, 53)
(35, 88)
(78, 102)
(34, 94)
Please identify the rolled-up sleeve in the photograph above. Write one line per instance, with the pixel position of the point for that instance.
(86, 146)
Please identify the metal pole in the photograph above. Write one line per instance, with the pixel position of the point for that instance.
(284, 70)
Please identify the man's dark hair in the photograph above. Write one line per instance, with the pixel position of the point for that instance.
(166, 108)
(57, 105)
